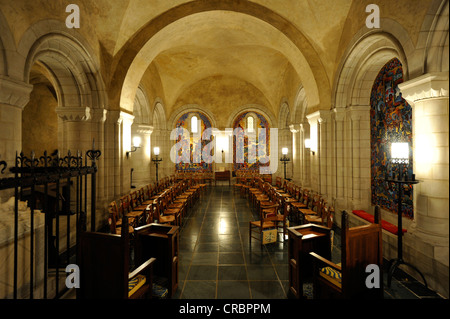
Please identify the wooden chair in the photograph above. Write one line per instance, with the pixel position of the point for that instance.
(105, 270)
(259, 227)
(157, 211)
(128, 210)
(115, 222)
(279, 216)
(361, 246)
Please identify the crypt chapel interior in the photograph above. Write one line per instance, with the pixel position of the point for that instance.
(252, 149)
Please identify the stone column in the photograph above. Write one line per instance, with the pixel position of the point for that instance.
(74, 131)
(427, 239)
(319, 134)
(428, 96)
(14, 96)
(126, 145)
(284, 140)
(295, 157)
(140, 160)
(338, 156)
(313, 136)
(305, 155)
(325, 153)
(360, 184)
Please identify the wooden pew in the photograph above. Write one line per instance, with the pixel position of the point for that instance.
(105, 270)
(361, 246)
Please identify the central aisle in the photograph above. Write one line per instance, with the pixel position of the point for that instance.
(216, 260)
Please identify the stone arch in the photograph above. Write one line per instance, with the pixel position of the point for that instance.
(78, 83)
(141, 109)
(191, 108)
(436, 40)
(284, 116)
(252, 108)
(362, 62)
(129, 63)
(159, 116)
(300, 105)
(6, 45)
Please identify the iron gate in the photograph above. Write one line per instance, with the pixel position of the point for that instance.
(58, 187)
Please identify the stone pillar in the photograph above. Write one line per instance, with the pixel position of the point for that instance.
(428, 96)
(295, 157)
(126, 146)
(319, 134)
(325, 153)
(338, 156)
(141, 159)
(305, 156)
(313, 136)
(14, 96)
(359, 138)
(161, 138)
(74, 130)
(427, 240)
(284, 140)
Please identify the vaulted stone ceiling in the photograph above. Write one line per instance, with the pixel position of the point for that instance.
(268, 47)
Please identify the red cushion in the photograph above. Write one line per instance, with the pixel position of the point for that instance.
(384, 224)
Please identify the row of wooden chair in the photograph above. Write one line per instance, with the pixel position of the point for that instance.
(165, 202)
(278, 204)
(198, 176)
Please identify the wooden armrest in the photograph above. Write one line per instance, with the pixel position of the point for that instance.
(326, 261)
(141, 268)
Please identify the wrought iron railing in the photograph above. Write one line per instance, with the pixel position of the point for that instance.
(57, 187)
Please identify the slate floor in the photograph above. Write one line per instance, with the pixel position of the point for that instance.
(217, 261)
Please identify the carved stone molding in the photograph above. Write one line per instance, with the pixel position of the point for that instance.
(293, 129)
(356, 112)
(427, 86)
(14, 93)
(144, 129)
(98, 115)
(74, 114)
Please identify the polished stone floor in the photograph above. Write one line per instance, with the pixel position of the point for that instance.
(218, 262)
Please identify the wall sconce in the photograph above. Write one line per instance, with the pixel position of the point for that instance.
(284, 159)
(308, 145)
(136, 145)
(156, 160)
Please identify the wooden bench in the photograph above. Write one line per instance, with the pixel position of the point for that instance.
(361, 246)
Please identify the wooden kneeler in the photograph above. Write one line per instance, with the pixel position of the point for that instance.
(361, 247)
(104, 268)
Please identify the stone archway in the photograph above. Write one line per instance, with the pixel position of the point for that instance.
(137, 54)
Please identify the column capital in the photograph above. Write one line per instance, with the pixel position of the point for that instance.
(339, 113)
(427, 86)
(357, 111)
(14, 92)
(118, 117)
(293, 129)
(73, 114)
(144, 129)
(98, 115)
(320, 116)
